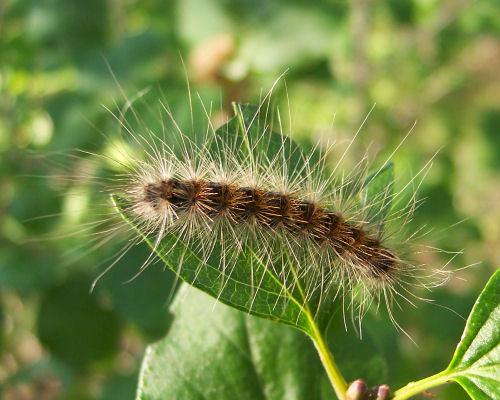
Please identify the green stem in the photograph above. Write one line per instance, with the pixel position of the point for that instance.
(414, 388)
(332, 370)
(336, 379)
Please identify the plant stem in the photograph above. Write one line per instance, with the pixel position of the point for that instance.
(414, 388)
(336, 379)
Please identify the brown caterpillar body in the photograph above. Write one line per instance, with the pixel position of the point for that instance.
(275, 211)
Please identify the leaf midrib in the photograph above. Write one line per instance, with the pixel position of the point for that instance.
(467, 371)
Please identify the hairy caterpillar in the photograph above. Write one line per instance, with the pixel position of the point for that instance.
(244, 189)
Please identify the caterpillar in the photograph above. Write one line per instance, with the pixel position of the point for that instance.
(248, 188)
(279, 212)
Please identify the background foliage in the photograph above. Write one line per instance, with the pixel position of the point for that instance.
(432, 61)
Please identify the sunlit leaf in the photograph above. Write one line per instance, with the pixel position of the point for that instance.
(476, 363)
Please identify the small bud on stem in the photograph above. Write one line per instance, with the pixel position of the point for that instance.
(358, 390)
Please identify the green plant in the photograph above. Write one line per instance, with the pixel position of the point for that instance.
(218, 355)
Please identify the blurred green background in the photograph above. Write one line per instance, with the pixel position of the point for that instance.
(434, 62)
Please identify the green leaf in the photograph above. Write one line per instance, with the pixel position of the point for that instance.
(231, 355)
(476, 362)
(215, 352)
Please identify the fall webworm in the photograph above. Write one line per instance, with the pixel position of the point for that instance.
(256, 190)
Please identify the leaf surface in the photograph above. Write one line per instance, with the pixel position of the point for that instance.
(215, 352)
(476, 362)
